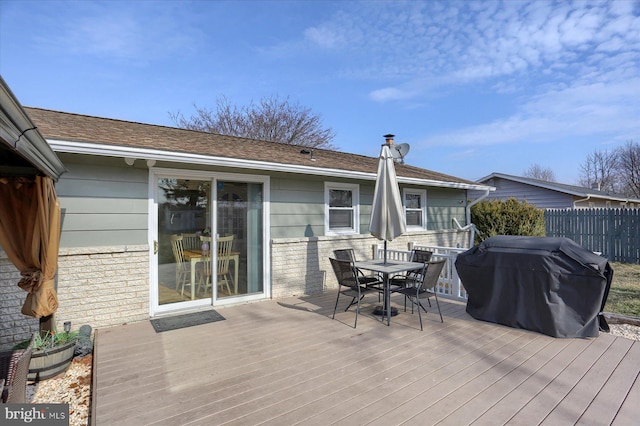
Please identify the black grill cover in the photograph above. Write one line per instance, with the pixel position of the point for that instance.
(550, 285)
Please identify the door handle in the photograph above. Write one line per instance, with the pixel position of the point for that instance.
(155, 246)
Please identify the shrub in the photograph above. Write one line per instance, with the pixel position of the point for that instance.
(509, 217)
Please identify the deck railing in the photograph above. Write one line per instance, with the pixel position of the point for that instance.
(449, 284)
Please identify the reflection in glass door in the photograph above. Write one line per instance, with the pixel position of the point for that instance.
(202, 255)
(184, 238)
(239, 217)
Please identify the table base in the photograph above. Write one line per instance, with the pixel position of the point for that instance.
(379, 310)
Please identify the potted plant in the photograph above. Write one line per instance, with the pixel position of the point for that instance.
(52, 354)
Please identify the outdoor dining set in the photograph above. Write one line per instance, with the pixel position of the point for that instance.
(415, 279)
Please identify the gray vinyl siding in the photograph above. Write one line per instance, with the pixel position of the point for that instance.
(297, 207)
(540, 197)
(102, 203)
(105, 202)
(443, 205)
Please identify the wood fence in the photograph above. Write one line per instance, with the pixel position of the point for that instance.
(613, 232)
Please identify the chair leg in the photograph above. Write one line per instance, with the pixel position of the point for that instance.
(355, 324)
(336, 307)
(438, 305)
(419, 313)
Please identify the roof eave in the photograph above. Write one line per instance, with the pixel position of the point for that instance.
(21, 136)
(74, 147)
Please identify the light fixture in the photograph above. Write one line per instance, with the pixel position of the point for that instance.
(129, 161)
(67, 326)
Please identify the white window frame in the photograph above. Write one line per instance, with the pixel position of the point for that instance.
(423, 209)
(355, 198)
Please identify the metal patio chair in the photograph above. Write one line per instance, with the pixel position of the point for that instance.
(422, 285)
(417, 255)
(349, 285)
(366, 279)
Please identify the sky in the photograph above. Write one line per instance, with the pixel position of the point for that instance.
(474, 87)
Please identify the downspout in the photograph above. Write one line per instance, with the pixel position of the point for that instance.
(468, 217)
(580, 201)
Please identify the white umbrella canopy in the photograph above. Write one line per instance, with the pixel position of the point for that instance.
(387, 215)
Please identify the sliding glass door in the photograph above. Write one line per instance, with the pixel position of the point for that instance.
(210, 240)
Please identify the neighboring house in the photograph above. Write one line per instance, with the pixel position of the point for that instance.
(552, 195)
(133, 189)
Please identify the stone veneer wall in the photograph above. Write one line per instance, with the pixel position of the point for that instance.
(99, 286)
(301, 265)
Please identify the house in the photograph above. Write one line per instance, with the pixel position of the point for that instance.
(552, 195)
(133, 190)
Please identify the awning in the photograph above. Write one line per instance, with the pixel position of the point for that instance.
(23, 150)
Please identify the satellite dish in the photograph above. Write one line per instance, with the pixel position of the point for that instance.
(399, 151)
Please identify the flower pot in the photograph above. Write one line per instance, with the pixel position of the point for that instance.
(49, 363)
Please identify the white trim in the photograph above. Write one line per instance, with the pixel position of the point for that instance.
(355, 199)
(423, 207)
(181, 157)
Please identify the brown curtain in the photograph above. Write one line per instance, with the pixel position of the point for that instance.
(30, 235)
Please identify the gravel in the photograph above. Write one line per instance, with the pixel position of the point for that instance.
(72, 387)
(625, 330)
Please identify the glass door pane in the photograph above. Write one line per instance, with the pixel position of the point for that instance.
(240, 215)
(184, 224)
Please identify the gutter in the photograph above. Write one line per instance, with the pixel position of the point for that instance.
(468, 217)
(22, 136)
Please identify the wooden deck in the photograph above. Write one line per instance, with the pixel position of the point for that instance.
(285, 362)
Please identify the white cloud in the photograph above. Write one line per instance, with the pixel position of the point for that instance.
(405, 44)
(133, 31)
(605, 109)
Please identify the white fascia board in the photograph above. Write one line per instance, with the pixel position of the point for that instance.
(180, 157)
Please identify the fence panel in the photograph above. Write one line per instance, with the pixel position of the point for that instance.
(613, 232)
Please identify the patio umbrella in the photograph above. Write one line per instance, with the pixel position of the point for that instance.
(387, 215)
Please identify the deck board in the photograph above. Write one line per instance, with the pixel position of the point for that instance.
(287, 362)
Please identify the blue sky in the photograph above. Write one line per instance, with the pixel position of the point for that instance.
(474, 86)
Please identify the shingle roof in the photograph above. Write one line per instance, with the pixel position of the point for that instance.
(578, 191)
(55, 125)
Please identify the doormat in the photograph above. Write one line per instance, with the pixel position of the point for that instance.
(186, 320)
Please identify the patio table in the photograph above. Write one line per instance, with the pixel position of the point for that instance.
(391, 267)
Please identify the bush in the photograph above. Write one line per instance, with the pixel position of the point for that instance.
(509, 217)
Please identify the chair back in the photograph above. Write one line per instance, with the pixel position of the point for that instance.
(422, 256)
(432, 274)
(224, 254)
(190, 241)
(178, 251)
(345, 254)
(344, 273)
(206, 255)
(14, 368)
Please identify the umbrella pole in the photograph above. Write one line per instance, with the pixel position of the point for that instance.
(385, 252)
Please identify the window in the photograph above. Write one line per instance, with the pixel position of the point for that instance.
(415, 208)
(341, 208)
